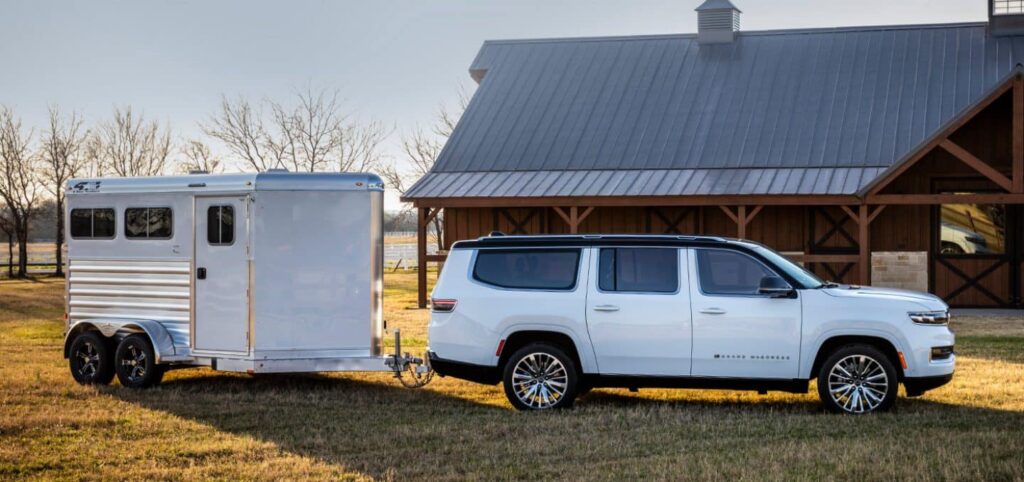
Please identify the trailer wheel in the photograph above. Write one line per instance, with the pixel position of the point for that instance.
(136, 364)
(90, 359)
(540, 376)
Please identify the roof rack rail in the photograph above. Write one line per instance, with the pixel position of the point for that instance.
(716, 239)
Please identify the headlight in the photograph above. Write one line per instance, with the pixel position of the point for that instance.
(929, 317)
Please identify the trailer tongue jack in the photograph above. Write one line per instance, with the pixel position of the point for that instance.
(411, 371)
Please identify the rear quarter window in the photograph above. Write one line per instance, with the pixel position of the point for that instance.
(528, 269)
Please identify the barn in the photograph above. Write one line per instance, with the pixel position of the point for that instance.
(891, 156)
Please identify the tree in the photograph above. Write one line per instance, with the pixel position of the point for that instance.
(19, 186)
(7, 226)
(62, 158)
(199, 158)
(314, 134)
(421, 149)
(127, 145)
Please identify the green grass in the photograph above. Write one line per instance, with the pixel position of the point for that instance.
(202, 424)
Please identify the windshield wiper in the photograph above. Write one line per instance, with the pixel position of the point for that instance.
(828, 284)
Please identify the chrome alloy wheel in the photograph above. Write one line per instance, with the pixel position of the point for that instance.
(539, 380)
(134, 363)
(88, 360)
(858, 384)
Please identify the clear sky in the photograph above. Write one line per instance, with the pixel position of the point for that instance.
(394, 61)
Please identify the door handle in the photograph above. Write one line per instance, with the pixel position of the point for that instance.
(201, 273)
(713, 311)
(606, 308)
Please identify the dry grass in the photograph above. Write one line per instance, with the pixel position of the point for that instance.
(201, 424)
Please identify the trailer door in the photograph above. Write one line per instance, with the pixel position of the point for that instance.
(221, 275)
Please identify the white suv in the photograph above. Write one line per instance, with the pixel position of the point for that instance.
(554, 316)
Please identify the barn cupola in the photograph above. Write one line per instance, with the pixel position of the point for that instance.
(1006, 17)
(717, 22)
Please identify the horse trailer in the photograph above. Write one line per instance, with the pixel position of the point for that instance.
(274, 272)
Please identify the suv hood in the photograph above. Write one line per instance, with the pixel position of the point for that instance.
(926, 300)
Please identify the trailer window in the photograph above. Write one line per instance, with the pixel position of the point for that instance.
(644, 270)
(148, 223)
(536, 269)
(92, 223)
(220, 225)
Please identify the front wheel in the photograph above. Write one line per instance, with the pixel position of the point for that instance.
(857, 379)
(540, 376)
(90, 359)
(135, 363)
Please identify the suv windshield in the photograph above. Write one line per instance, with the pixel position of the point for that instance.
(797, 272)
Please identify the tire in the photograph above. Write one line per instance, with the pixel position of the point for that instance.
(540, 376)
(90, 359)
(135, 363)
(857, 379)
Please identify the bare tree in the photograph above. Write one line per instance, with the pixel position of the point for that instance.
(127, 145)
(198, 157)
(314, 134)
(19, 185)
(7, 226)
(63, 155)
(421, 150)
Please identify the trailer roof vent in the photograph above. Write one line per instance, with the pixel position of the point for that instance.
(196, 172)
(277, 169)
(717, 22)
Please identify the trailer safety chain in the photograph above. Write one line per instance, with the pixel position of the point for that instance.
(418, 372)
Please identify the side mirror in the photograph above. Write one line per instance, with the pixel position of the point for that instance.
(775, 286)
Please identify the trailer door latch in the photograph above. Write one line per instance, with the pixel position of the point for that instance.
(201, 273)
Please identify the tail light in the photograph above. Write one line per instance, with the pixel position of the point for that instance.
(442, 305)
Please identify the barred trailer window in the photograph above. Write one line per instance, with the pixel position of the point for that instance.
(92, 223)
(1007, 7)
(539, 269)
(148, 223)
(220, 225)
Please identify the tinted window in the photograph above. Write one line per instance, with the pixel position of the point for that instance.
(220, 225)
(729, 272)
(973, 229)
(652, 270)
(148, 223)
(92, 223)
(542, 269)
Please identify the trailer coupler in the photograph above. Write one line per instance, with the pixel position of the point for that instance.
(411, 372)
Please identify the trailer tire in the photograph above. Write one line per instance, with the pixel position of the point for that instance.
(136, 364)
(534, 375)
(90, 359)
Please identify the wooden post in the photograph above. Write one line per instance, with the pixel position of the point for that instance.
(741, 218)
(1018, 134)
(864, 242)
(421, 254)
(573, 218)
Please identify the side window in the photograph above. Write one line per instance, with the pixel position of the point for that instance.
(725, 272)
(649, 270)
(538, 269)
(148, 223)
(92, 223)
(220, 225)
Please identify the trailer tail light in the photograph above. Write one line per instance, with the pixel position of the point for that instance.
(442, 305)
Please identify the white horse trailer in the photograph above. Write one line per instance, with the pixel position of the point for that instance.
(256, 273)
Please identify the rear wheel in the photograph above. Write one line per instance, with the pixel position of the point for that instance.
(90, 359)
(540, 376)
(857, 379)
(136, 364)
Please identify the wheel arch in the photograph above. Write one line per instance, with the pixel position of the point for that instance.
(834, 342)
(114, 330)
(520, 338)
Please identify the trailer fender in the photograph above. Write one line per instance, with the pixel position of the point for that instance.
(163, 344)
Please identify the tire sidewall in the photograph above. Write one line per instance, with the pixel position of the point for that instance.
(867, 350)
(105, 372)
(570, 367)
(154, 373)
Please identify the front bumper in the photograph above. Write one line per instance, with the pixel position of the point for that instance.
(916, 386)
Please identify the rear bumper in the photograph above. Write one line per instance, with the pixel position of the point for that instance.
(918, 385)
(466, 371)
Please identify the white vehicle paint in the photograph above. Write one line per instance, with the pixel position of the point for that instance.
(270, 272)
(700, 327)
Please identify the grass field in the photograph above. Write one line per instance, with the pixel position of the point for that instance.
(201, 425)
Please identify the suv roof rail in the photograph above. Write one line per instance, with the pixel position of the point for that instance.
(495, 233)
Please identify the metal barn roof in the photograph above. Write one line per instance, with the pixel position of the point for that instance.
(819, 111)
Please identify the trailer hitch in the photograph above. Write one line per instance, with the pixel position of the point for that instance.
(411, 372)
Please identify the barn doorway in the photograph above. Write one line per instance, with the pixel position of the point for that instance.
(976, 254)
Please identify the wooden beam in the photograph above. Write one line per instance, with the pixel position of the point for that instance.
(638, 201)
(431, 214)
(754, 212)
(864, 243)
(741, 224)
(874, 214)
(977, 164)
(856, 217)
(562, 215)
(943, 133)
(927, 199)
(1018, 134)
(732, 215)
(849, 212)
(437, 258)
(423, 220)
(586, 213)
